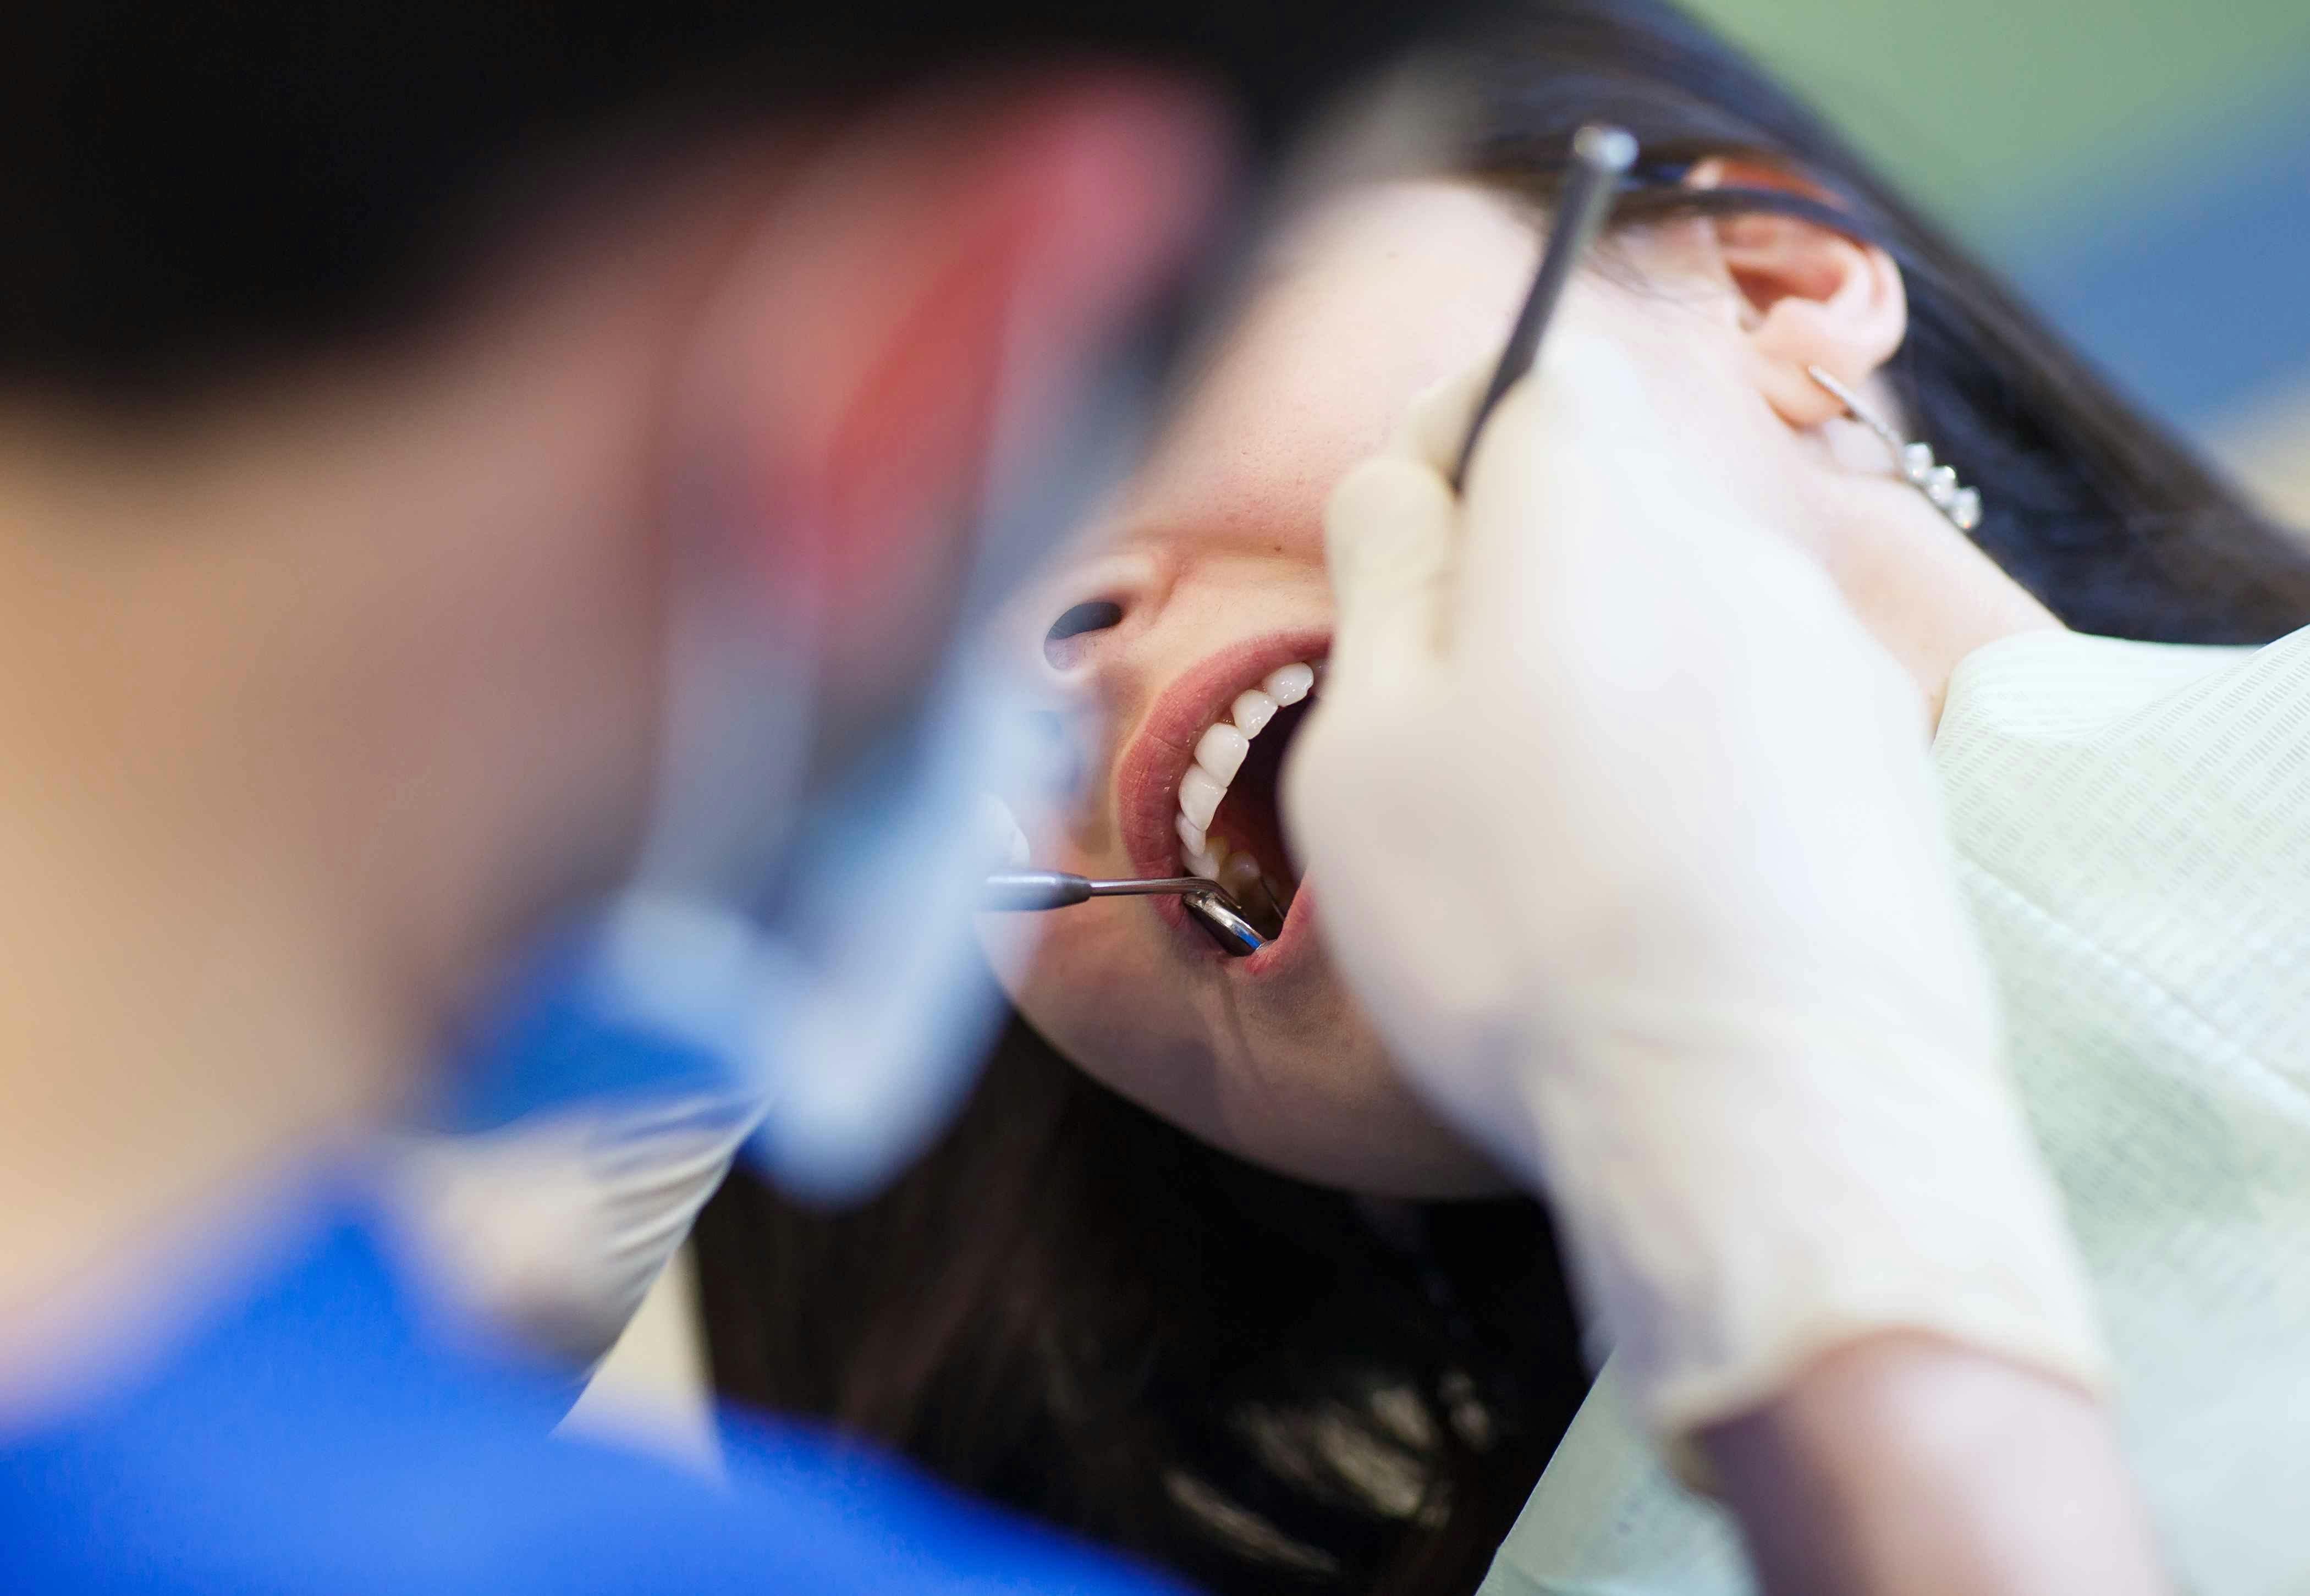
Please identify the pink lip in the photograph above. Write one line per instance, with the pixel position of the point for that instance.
(1147, 777)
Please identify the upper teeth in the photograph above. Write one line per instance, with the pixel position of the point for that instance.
(1219, 753)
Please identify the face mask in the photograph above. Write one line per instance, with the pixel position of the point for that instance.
(804, 944)
(2133, 826)
(794, 969)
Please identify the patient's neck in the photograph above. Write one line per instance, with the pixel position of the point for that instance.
(1922, 589)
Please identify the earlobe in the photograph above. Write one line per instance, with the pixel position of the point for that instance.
(1808, 296)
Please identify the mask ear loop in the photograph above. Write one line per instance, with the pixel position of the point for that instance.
(740, 715)
(1959, 503)
(876, 1006)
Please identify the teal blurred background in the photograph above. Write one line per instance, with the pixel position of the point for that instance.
(2140, 167)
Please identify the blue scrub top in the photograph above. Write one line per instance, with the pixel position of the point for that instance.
(313, 1437)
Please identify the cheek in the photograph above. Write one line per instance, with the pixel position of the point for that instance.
(1069, 971)
(1297, 1082)
(576, 634)
(581, 722)
(1709, 411)
(1098, 992)
(615, 651)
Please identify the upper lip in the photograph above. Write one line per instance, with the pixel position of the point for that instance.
(1147, 777)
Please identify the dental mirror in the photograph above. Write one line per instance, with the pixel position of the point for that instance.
(1221, 918)
(1216, 912)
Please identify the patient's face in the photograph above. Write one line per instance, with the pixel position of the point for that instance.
(1213, 561)
(1175, 650)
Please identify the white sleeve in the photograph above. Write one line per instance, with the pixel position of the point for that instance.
(557, 1224)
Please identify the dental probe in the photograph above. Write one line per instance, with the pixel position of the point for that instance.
(1220, 916)
(1600, 157)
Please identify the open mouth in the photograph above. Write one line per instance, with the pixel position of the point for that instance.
(1229, 824)
(1197, 788)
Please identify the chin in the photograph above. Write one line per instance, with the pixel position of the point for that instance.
(1351, 1124)
(1284, 1075)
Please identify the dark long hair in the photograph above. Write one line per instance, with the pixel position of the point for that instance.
(1075, 1309)
(2114, 523)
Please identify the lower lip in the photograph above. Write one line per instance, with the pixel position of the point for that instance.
(1280, 952)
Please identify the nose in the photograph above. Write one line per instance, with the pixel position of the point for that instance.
(1072, 633)
(1077, 628)
(1085, 618)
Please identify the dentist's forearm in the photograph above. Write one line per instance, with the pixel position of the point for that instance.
(1907, 1464)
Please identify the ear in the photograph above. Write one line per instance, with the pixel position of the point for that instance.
(1808, 295)
(939, 265)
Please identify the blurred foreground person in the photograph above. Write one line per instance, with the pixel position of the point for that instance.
(384, 397)
(444, 483)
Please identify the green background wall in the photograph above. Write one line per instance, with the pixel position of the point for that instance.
(2015, 116)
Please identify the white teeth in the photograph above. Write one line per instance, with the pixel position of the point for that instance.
(1209, 860)
(1239, 873)
(1222, 752)
(1252, 710)
(1289, 684)
(1200, 793)
(1219, 754)
(1264, 899)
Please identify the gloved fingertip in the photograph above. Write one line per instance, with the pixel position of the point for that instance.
(1388, 520)
(1388, 535)
(1579, 372)
(1437, 424)
(1435, 428)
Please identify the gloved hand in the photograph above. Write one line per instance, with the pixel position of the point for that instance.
(1623, 831)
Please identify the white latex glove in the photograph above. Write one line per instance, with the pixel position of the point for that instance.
(1625, 834)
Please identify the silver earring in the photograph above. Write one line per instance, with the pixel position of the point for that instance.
(1937, 483)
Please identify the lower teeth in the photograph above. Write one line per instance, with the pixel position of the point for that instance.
(1264, 900)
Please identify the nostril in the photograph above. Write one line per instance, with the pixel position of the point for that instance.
(1063, 643)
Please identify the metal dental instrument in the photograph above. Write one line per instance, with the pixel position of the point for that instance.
(1221, 918)
(1600, 157)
